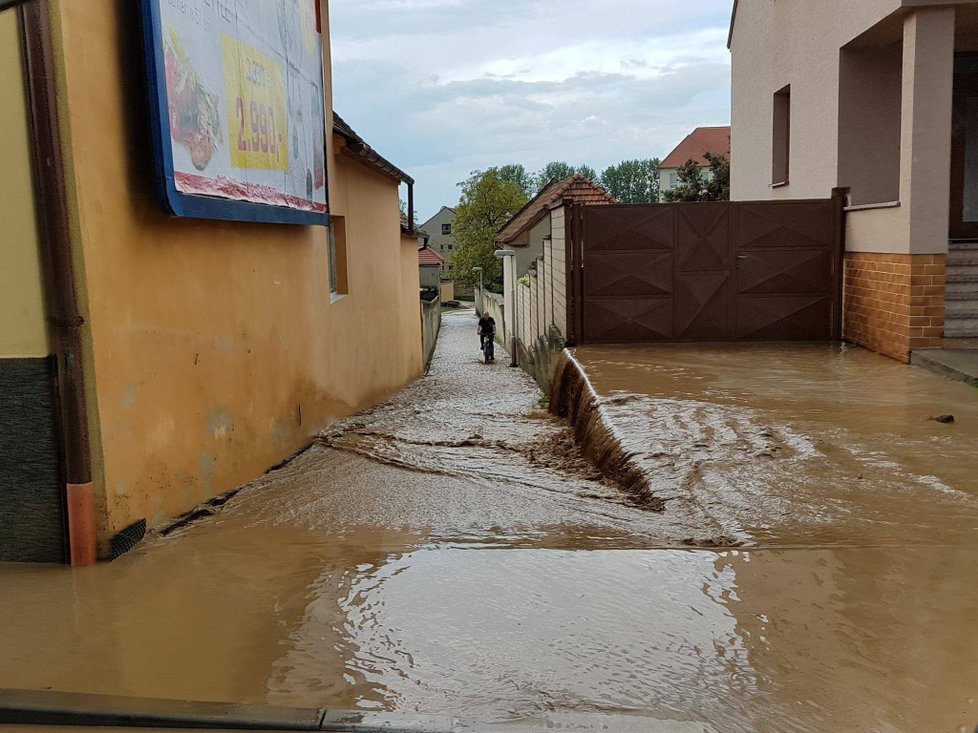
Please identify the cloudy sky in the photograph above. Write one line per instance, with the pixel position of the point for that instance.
(445, 87)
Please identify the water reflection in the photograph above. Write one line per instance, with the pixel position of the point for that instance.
(778, 640)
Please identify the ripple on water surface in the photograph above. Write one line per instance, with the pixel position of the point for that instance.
(795, 444)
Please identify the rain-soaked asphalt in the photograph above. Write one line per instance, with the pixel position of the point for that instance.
(449, 553)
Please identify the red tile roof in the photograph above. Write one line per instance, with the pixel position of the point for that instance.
(428, 257)
(700, 141)
(577, 188)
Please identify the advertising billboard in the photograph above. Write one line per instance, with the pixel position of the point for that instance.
(237, 96)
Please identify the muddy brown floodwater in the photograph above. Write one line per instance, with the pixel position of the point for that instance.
(450, 553)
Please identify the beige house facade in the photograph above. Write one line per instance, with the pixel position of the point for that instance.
(877, 98)
(440, 239)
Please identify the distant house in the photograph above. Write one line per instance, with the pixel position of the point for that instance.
(695, 146)
(526, 231)
(876, 99)
(430, 266)
(440, 239)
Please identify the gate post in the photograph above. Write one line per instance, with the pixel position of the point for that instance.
(840, 199)
(572, 265)
(578, 240)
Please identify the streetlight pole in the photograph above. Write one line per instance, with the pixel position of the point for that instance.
(509, 254)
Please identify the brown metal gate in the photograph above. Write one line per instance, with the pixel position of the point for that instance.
(716, 271)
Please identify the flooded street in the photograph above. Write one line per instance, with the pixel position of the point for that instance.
(797, 445)
(451, 553)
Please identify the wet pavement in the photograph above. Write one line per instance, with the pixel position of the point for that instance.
(451, 553)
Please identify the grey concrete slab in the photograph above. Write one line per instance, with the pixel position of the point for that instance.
(955, 363)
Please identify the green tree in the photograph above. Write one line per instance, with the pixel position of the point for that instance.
(557, 170)
(516, 173)
(487, 202)
(697, 184)
(589, 173)
(718, 187)
(633, 181)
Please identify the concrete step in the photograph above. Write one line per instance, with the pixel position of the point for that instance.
(963, 246)
(961, 328)
(962, 290)
(963, 294)
(960, 364)
(960, 309)
(962, 275)
(962, 258)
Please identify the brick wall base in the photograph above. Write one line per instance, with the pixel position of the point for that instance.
(894, 304)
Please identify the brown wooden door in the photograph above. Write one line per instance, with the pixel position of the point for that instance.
(964, 151)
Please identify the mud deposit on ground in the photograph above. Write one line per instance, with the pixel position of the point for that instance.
(451, 553)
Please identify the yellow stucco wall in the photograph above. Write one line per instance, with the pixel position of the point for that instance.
(22, 328)
(216, 348)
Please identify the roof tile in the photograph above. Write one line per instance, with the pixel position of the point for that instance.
(577, 188)
(429, 257)
(700, 141)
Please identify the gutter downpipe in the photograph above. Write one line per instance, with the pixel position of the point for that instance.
(64, 316)
(410, 206)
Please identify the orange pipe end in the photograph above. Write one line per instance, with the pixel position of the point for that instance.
(81, 524)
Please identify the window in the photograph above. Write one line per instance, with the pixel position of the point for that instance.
(450, 246)
(781, 138)
(446, 229)
(672, 179)
(338, 284)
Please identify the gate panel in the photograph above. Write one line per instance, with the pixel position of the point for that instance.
(702, 277)
(782, 318)
(630, 274)
(635, 320)
(786, 256)
(623, 228)
(717, 271)
(629, 262)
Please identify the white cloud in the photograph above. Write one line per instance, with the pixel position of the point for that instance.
(442, 87)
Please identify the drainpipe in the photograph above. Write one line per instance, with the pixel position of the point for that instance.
(61, 292)
(410, 207)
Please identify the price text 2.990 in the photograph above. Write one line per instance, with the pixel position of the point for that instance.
(256, 130)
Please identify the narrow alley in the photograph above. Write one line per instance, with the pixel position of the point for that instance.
(450, 553)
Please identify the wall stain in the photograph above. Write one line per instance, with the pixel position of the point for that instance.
(208, 467)
(219, 425)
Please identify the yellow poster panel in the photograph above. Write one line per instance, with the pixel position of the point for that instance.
(258, 122)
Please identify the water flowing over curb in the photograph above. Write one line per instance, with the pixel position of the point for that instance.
(573, 397)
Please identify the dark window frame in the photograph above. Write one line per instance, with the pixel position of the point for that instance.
(781, 137)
